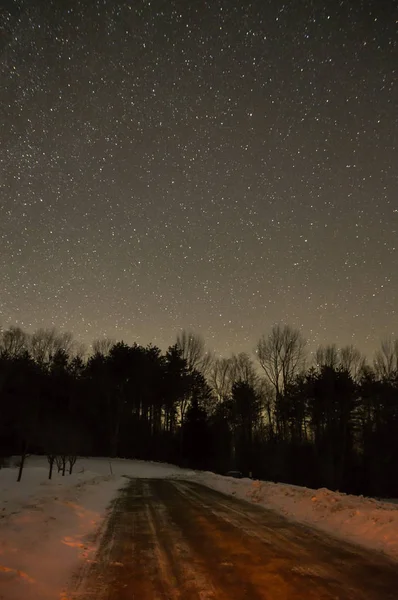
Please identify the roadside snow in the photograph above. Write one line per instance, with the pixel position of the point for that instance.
(363, 521)
(48, 528)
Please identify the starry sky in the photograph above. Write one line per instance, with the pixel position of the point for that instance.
(211, 165)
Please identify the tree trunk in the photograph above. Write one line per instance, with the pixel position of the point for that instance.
(51, 461)
(23, 458)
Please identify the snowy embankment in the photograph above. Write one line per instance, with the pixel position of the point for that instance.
(48, 528)
(363, 521)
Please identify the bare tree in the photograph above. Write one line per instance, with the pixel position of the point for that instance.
(348, 358)
(221, 377)
(102, 345)
(51, 459)
(327, 356)
(13, 341)
(243, 369)
(207, 362)
(60, 460)
(72, 458)
(281, 356)
(41, 344)
(79, 350)
(21, 463)
(386, 358)
(192, 347)
(266, 394)
(352, 361)
(45, 343)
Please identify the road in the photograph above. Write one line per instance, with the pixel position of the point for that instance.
(172, 539)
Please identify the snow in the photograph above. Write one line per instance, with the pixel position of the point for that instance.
(363, 521)
(47, 528)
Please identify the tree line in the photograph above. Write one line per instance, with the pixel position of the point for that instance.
(326, 420)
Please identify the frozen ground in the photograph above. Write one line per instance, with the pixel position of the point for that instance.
(364, 521)
(177, 539)
(48, 528)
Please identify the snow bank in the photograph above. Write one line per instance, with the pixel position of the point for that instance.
(35, 480)
(363, 521)
(48, 529)
(132, 468)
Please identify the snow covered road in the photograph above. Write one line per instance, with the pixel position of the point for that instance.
(176, 539)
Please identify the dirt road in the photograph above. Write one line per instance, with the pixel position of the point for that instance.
(173, 540)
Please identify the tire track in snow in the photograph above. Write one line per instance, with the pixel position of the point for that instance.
(178, 540)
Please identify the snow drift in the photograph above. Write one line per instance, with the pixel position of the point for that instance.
(363, 521)
(49, 529)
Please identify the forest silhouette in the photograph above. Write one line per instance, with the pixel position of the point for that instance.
(330, 420)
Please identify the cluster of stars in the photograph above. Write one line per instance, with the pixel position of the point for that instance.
(211, 166)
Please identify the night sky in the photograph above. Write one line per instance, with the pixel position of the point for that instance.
(214, 166)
